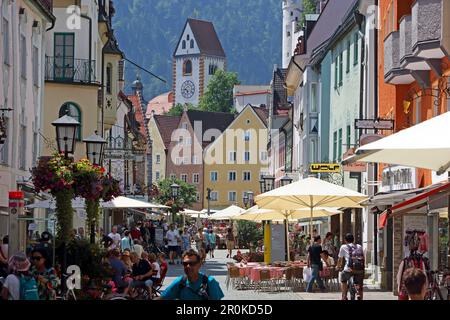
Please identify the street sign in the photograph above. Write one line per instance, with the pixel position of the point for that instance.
(324, 168)
(374, 124)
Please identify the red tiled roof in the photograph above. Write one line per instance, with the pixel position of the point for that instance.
(160, 104)
(206, 37)
(166, 125)
(252, 93)
(139, 114)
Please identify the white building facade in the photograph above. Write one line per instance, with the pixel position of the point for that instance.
(23, 28)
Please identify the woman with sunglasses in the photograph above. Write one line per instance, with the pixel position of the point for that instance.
(44, 274)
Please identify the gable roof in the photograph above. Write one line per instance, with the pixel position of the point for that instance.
(166, 125)
(206, 37)
(262, 113)
(210, 120)
(139, 115)
(279, 90)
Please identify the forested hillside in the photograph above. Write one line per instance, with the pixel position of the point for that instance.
(250, 32)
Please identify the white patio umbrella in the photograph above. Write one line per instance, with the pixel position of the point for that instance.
(124, 203)
(257, 214)
(425, 145)
(227, 213)
(309, 193)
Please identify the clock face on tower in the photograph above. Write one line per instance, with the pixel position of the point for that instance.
(188, 89)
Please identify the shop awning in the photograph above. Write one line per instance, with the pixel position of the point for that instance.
(437, 194)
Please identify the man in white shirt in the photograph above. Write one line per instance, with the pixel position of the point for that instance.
(115, 237)
(172, 241)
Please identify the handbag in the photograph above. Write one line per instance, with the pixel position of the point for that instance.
(307, 274)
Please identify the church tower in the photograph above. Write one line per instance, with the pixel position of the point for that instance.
(197, 56)
(292, 11)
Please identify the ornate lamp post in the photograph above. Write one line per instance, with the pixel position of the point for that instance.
(268, 183)
(94, 153)
(94, 148)
(66, 128)
(175, 188)
(245, 200)
(286, 180)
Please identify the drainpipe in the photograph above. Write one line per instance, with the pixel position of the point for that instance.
(359, 19)
(375, 166)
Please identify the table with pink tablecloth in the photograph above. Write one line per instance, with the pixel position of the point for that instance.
(275, 273)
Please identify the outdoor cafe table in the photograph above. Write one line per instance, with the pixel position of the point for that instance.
(275, 273)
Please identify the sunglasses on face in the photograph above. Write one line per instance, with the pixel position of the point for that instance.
(190, 263)
(36, 258)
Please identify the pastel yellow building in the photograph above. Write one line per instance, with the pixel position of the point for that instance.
(233, 164)
(83, 72)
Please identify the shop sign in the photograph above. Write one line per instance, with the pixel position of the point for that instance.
(353, 167)
(398, 178)
(324, 168)
(374, 124)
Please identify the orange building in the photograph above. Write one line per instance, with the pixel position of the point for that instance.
(414, 82)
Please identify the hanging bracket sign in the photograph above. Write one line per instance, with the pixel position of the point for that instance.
(325, 168)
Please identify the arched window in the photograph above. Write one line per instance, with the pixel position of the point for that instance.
(192, 43)
(187, 68)
(73, 110)
(183, 44)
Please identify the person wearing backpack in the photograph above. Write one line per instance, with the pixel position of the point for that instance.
(351, 264)
(194, 285)
(20, 284)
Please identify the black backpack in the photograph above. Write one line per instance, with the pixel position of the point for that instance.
(202, 291)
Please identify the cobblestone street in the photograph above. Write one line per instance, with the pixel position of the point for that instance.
(217, 267)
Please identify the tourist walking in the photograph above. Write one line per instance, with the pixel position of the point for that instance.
(172, 241)
(194, 285)
(115, 236)
(315, 263)
(212, 242)
(230, 242)
(127, 243)
(44, 273)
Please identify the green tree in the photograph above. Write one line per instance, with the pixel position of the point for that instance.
(177, 110)
(249, 233)
(219, 94)
(309, 7)
(186, 195)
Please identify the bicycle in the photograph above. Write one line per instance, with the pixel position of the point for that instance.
(353, 289)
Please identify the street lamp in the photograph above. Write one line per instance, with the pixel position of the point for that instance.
(66, 128)
(245, 200)
(286, 180)
(94, 148)
(268, 183)
(175, 190)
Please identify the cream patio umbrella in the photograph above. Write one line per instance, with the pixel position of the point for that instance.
(310, 193)
(257, 214)
(425, 145)
(227, 213)
(124, 203)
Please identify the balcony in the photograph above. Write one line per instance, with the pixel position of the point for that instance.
(393, 72)
(407, 58)
(426, 29)
(69, 70)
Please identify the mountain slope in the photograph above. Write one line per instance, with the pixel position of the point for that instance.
(148, 31)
